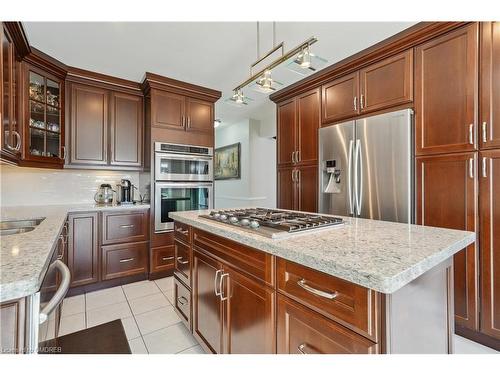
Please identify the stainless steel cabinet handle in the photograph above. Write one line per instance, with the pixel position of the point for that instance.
(362, 101)
(167, 258)
(302, 283)
(297, 158)
(471, 134)
(294, 159)
(63, 153)
(222, 298)
(17, 147)
(60, 292)
(355, 103)
(126, 260)
(182, 300)
(127, 226)
(179, 259)
(183, 121)
(217, 293)
(349, 176)
(471, 168)
(301, 348)
(485, 131)
(180, 230)
(188, 122)
(484, 167)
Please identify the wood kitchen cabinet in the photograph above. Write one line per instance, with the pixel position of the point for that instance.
(340, 98)
(446, 92)
(106, 122)
(286, 187)
(489, 194)
(127, 124)
(89, 125)
(490, 86)
(297, 188)
(83, 248)
(207, 306)
(286, 134)
(451, 202)
(199, 116)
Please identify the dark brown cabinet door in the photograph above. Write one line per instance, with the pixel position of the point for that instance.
(182, 254)
(286, 188)
(168, 110)
(308, 112)
(126, 130)
(6, 90)
(207, 307)
(83, 250)
(446, 71)
(124, 260)
(490, 242)
(302, 331)
(249, 315)
(89, 125)
(340, 98)
(307, 188)
(490, 85)
(387, 83)
(447, 197)
(199, 116)
(286, 131)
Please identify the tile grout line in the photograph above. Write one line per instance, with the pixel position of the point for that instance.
(137, 325)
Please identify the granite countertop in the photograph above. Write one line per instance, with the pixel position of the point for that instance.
(24, 258)
(378, 255)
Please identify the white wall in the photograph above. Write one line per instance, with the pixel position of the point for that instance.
(21, 186)
(257, 186)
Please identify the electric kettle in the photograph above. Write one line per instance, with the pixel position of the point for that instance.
(104, 194)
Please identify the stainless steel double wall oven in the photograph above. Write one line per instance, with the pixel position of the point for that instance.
(183, 181)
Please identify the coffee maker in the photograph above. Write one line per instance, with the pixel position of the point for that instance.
(125, 192)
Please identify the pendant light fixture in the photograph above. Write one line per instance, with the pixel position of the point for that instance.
(299, 60)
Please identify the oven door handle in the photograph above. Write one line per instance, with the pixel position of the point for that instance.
(60, 292)
(183, 157)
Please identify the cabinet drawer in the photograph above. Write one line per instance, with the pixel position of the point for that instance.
(337, 299)
(124, 260)
(182, 302)
(182, 232)
(118, 227)
(302, 331)
(182, 254)
(243, 258)
(162, 258)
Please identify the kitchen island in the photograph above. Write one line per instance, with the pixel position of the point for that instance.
(362, 287)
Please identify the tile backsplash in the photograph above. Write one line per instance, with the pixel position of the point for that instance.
(36, 186)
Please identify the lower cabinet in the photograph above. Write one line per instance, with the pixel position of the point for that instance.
(298, 188)
(182, 302)
(83, 248)
(303, 331)
(124, 260)
(162, 259)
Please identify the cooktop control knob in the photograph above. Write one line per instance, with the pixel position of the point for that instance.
(245, 222)
(223, 217)
(216, 215)
(233, 219)
(254, 224)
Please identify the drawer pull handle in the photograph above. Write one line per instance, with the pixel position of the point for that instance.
(301, 348)
(127, 226)
(179, 259)
(167, 258)
(184, 232)
(182, 300)
(217, 293)
(303, 285)
(126, 260)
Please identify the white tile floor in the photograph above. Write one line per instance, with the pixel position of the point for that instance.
(145, 309)
(150, 322)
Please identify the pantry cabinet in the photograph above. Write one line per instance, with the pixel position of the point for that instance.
(297, 188)
(490, 242)
(490, 85)
(451, 202)
(446, 92)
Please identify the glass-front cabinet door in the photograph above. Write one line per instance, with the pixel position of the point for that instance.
(44, 128)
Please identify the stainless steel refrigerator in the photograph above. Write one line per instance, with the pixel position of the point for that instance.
(366, 168)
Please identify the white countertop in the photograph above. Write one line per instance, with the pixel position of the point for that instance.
(24, 257)
(378, 255)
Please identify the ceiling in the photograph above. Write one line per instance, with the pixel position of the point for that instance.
(212, 54)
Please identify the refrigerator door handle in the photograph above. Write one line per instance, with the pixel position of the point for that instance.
(356, 184)
(349, 177)
(359, 185)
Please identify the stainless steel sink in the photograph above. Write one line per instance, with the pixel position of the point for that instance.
(9, 227)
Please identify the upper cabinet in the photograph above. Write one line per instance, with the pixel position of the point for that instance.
(385, 84)
(199, 116)
(446, 100)
(490, 85)
(168, 110)
(106, 122)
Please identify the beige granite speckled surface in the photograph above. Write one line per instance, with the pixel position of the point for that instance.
(379, 255)
(24, 257)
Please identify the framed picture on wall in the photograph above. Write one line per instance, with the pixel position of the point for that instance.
(227, 163)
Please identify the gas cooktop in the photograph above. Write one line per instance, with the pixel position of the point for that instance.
(273, 223)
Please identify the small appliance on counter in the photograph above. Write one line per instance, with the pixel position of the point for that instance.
(104, 194)
(125, 192)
